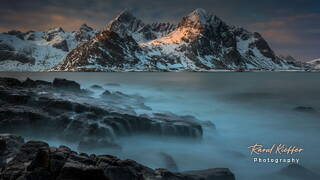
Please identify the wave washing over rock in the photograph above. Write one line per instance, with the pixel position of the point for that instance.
(61, 110)
(200, 42)
(41, 108)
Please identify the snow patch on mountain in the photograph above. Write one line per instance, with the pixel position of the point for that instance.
(315, 64)
(200, 42)
(126, 24)
(47, 48)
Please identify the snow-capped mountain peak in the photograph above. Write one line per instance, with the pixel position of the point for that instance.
(125, 24)
(85, 28)
(35, 51)
(200, 42)
(199, 18)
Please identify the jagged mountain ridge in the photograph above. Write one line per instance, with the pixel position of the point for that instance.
(126, 24)
(200, 42)
(35, 51)
(314, 64)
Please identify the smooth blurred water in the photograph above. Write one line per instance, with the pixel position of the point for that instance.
(247, 108)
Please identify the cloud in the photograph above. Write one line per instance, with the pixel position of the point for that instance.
(297, 35)
(39, 20)
(280, 36)
(282, 22)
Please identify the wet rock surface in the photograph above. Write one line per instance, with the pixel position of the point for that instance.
(9, 147)
(63, 45)
(307, 109)
(213, 174)
(36, 160)
(65, 84)
(97, 87)
(63, 110)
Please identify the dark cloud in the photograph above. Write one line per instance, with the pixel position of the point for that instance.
(291, 26)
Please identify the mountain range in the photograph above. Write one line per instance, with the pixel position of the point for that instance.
(314, 64)
(201, 41)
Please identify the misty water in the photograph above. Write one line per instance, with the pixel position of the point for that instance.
(246, 108)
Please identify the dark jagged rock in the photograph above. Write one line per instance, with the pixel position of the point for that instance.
(288, 58)
(15, 56)
(106, 93)
(30, 36)
(85, 33)
(305, 109)
(16, 33)
(29, 83)
(6, 47)
(31, 161)
(65, 84)
(9, 147)
(125, 24)
(10, 82)
(213, 174)
(52, 33)
(42, 108)
(37, 161)
(63, 45)
(107, 48)
(96, 87)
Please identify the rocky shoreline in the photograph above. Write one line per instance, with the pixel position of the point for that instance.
(62, 110)
(36, 160)
(41, 109)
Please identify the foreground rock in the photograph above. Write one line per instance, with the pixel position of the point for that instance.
(9, 147)
(35, 160)
(306, 109)
(64, 111)
(65, 84)
(213, 174)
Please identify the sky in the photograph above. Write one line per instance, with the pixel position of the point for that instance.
(292, 27)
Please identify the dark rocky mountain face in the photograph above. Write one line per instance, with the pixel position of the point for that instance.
(126, 24)
(208, 43)
(106, 51)
(201, 41)
(85, 33)
(287, 58)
